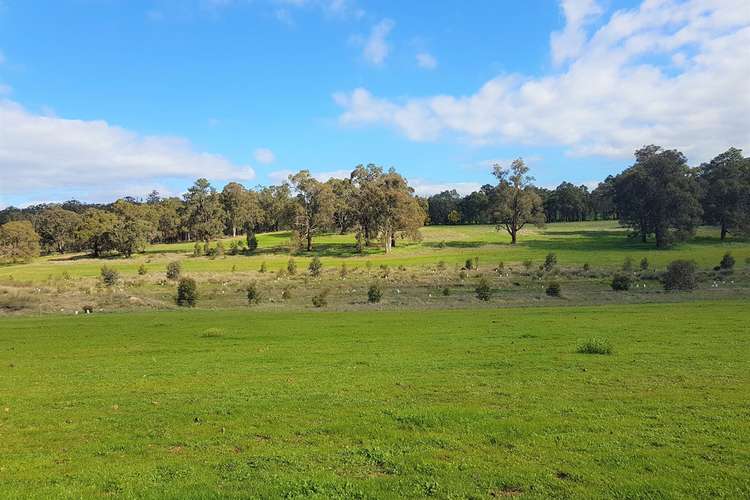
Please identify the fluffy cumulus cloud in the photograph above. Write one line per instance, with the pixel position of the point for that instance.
(39, 152)
(668, 72)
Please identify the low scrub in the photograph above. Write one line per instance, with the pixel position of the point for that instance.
(187, 292)
(109, 276)
(174, 269)
(253, 294)
(320, 299)
(680, 275)
(374, 293)
(483, 290)
(595, 345)
(554, 289)
(621, 282)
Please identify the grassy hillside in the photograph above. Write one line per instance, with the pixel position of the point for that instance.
(457, 404)
(601, 244)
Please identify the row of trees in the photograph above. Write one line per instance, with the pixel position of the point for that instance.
(378, 206)
(659, 196)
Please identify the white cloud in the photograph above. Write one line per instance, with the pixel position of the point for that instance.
(568, 43)
(264, 156)
(376, 47)
(618, 92)
(49, 153)
(426, 60)
(427, 188)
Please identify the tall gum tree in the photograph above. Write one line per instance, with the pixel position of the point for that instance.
(517, 203)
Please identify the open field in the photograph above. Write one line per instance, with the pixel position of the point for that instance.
(600, 244)
(460, 404)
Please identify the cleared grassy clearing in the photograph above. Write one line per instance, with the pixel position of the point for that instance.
(473, 403)
(601, 244)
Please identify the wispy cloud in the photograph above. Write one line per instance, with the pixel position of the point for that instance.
(376, 48)
(264, 156)
(425, 60)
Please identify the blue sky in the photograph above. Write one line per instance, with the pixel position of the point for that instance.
(106, 98)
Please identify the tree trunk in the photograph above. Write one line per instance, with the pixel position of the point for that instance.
(393, 240)
(723, 231)
(309, 242)
(234, 231)
(513, 236)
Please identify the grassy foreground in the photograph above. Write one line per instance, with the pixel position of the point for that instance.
(451, 404)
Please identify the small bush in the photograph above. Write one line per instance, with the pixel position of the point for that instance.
(374, 293)
(253, 294)
(644, 264)
(386, 271)
(109, 276)
(462, 275)
(234, 247)
(281, 273)
(343, 271)
(197, 250)
(315, 266)
(550, 262)
(483, 290)
(142, 271)
(586, 267)
(469, 264)
(680, 275)
(174, 269)
(252, 242)
(187, 292)
(207, 249)
(321, 298)
(219, 248)
(66, 276)
(476, 263)
(263, 267)
(286, 292)
(621, 282)
(553, 289)
(627, 265)
(291, 267)
(727, 262)
(446, 291)
(595, 346)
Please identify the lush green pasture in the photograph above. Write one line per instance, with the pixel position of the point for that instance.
(601, 244)
(454, 404)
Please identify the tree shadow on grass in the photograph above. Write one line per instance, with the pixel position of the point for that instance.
(456, 244)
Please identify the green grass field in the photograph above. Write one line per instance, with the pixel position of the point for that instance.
(457, 404)
(601, 244)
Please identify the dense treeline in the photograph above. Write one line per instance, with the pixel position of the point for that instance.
(659, 196)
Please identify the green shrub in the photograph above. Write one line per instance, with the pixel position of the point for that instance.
(476, 263)
(286, 292)
(263, 267)
(553, 289)
(586, 267)
(253, 294)
(343, 271)
(109, 276)
(595, 346)
(219, 248)
(321, 298)
(374, 293)
(315, 267)
(174, 269)
(187, 292)
(252, 241)
(500, 267)
(621, 282)
(469, 264)
(207, 249)
(680, 275)
(483, 290)
(142, 271)
(197, 250)
(727, 262)
(386, 271)
(644, 264)
(291, 267)
(462, 275)
(446, 291)
(550, 261)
